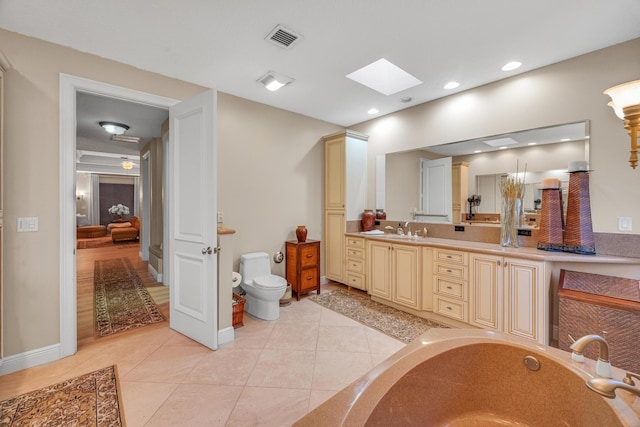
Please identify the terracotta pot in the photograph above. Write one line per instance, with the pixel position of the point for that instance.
(368, 220)
(301, 233)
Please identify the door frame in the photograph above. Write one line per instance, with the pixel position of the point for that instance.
(69, 87)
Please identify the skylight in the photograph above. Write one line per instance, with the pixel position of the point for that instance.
(384, 77)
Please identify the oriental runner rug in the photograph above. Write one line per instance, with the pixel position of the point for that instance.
(122, 301)
(88, 400)
(396, 323)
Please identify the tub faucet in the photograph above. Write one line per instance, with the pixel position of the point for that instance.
(603, 366)
(607, 387)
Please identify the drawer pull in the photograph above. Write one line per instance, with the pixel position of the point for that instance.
(309, 277)
(449, 308)
(449, 256)
(448, 271)
(309, 255)
(448, 287)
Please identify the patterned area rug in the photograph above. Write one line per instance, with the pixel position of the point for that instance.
(122, 301)
(395, 323)
(88, 400)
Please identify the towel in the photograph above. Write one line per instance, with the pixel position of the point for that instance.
(372, 232)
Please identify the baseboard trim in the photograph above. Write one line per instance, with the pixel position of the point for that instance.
(157, 276)
(226, 335)
(29, 359)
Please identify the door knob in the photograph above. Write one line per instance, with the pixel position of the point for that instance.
(207, 250)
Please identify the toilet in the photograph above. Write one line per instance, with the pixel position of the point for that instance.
(263, 289)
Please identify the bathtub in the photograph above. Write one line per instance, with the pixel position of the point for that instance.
(463, 377)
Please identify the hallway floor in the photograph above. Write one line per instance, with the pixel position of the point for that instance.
(273, 373)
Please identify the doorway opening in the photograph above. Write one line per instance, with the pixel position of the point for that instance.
(70, 86)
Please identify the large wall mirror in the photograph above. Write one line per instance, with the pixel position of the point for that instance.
(545, 152)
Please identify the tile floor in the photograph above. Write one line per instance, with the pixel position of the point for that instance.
(271, 375)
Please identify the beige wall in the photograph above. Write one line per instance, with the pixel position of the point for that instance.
(270, 174)
(566, 92)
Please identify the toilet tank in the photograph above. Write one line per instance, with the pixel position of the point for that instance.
(253, 265)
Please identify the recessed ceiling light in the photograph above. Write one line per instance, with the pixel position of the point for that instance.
(373, 111)
(503, 148)
(274, 81)
(406, 99)
(565, 139)
(451, 85)
(532, 143)
(384, 77)
(478, 151)
(509, 66)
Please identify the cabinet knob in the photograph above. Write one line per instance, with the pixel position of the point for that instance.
(448, 271)
(448, 287)
(309, 277)
(309, 255)
(448, 308)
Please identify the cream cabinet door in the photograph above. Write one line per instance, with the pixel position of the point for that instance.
(524, 298)
(485, 293)
(405, 274)
(379, 269)
(335, 174)
(334, 256)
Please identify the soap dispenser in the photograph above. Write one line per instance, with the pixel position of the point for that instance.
(400, 230)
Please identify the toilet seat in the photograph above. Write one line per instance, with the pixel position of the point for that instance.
(269, 282)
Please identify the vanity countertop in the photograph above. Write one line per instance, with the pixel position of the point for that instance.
(495, 249)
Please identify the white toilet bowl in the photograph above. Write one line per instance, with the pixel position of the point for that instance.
(263, 289)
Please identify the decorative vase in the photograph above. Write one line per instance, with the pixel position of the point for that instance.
(510, 221)
(368, 220)
(381, 214)
(301, 233)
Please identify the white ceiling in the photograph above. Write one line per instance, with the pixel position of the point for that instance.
(221, 44)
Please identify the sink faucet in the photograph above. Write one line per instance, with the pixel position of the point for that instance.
(607, 387)
(603, 366)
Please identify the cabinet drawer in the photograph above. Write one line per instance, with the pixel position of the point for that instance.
(355, 265)
(355, 280)
(453, 309)
(308, 256)
(308, 279)
(451, 288)
(355, 253)
(452, 257)
(355, 242)
(453, 271)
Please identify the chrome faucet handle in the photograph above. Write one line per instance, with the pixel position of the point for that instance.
(628, 379)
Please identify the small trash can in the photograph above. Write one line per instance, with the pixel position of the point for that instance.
(238, 310)
(286, 298)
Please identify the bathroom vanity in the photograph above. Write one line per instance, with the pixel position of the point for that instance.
(464, 283)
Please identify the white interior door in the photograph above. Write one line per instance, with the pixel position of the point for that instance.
(435, 190)
(192, 224)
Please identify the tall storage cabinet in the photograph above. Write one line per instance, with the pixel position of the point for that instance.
(459, 190)
(345, 195)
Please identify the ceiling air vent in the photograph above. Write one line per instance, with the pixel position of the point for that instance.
(283, 37)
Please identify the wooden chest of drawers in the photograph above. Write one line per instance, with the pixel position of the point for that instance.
(303, 266)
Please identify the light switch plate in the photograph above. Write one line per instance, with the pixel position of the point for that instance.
(625, 223)
(26, 224)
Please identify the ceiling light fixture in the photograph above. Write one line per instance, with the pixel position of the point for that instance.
(127, 165)
(451, 85)
(373, 111)
(114, 128)
(510, 66)
(274, 81)
(625, 101)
